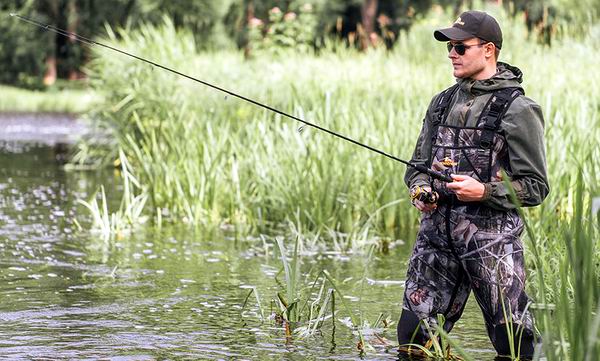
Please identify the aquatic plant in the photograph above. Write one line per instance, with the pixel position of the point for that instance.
(439, 345)
(130, 213)
(289, 304)
(254, 291)
(303, 312)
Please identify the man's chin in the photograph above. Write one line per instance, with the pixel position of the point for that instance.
(459, 74)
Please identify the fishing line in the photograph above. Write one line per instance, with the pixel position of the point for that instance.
(90, 42)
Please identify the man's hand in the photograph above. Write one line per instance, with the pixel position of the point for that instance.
(467, 189)
(422, 206)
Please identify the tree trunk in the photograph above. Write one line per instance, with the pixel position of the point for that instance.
(249, 16)
(73, 24)
(50, 73)
(368, 14)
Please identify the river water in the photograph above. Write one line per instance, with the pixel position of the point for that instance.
(168, 294)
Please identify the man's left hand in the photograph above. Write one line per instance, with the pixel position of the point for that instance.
(467, 189)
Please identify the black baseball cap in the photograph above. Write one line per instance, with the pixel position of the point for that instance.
(471, 24)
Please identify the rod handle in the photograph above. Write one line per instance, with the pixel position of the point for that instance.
(433, 174)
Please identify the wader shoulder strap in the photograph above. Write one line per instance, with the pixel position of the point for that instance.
(493, 112)
(440, 111)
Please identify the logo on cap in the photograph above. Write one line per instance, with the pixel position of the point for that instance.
(459, 21)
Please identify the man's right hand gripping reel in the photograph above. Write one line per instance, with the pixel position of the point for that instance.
(423, 194)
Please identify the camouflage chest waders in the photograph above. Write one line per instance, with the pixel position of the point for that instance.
(464, 246)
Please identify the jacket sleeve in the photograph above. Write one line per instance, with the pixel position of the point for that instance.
(420, 155)
(523, 127)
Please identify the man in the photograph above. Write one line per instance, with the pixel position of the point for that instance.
(475, 131)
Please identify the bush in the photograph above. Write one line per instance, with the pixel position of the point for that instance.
(23, 48)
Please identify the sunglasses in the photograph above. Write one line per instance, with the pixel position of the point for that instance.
(460, 47)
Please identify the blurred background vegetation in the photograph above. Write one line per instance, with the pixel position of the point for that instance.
(33, 58)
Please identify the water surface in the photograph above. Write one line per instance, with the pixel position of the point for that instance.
(169, 294)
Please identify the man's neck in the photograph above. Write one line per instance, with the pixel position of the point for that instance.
(489, 71)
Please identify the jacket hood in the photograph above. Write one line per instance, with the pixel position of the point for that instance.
(507, 76)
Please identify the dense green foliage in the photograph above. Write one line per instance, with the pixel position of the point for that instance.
(26, 52)
(24, 48)
(21, 52)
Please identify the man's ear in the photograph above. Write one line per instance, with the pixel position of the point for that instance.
(490, 50)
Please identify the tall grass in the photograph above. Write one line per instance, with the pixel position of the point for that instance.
(209, 159)
(571, 328)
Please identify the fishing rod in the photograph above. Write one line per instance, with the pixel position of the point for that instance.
(421, 168)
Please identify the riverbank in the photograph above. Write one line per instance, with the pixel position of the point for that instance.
(63, 99)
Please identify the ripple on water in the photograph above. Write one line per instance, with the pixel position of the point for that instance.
(66, 295)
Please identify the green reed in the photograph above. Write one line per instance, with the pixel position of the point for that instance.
(290, 303)
(129, 216)
(207, 159)
(571, 328)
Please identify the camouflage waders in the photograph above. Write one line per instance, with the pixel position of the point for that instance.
(464, 246)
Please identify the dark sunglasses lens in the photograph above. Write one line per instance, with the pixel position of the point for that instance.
(460, 48)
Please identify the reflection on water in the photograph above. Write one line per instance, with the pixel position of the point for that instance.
(160, 295)
(41, 128)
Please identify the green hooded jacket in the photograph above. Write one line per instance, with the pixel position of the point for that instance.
(522, 126)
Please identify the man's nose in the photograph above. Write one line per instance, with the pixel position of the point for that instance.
(452, 54)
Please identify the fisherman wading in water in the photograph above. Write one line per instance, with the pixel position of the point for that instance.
(469, 234)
